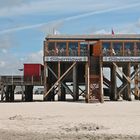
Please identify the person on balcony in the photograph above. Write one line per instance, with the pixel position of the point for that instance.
(56, 50)
(105, 52)
(70, 52)
(113, 51)
(62, 51)
(128, 52)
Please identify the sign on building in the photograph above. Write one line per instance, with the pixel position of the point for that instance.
(121, 59)
(65, 59)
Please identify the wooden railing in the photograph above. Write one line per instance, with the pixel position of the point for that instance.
(22, 80)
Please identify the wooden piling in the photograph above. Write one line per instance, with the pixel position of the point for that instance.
(59, 83)
(101, 83)
(29, 93)
(113, 94)
(87, 82)
(127, 90)
(136, 91)
(75, 84)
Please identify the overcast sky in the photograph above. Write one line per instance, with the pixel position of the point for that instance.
(25, 23)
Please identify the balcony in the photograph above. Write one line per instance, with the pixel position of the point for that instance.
(66, 49)
(121, 49)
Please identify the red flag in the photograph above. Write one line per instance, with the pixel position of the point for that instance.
(112, 32)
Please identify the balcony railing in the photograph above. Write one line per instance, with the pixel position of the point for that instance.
(66, 53)
(121, 53)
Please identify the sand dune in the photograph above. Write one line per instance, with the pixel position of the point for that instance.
(66, 120)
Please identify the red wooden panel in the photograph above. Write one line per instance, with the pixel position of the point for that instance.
(32, 69)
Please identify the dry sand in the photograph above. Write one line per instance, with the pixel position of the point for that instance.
(67, 120)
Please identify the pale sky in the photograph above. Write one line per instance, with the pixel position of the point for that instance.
(24, 24)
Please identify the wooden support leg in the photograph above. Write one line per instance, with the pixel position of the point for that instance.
(129, 84)
(139, 81)
(124, 82)
(59, 83)
(51, 95)
(2, 92)
(136, 82)
(75, 84)
(29, 93)
(23, 94)
(113, 94)
(87, 83)
(46, 84)
(26, 93)
(127, 90)
(101, 84)
(63, 93)
(11, 93)
(7, 94)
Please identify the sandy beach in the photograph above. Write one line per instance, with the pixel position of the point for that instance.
(68, 120)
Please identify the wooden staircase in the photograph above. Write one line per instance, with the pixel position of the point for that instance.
(95, 80)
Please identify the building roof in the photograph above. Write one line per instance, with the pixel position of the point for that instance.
(95, 37)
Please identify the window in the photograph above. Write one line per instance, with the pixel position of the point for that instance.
(138, 49)
(117, 46)
(73, 48)
(83, 48)
(106, 46)
(61, 46)
(51, 48)
(129, 49)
